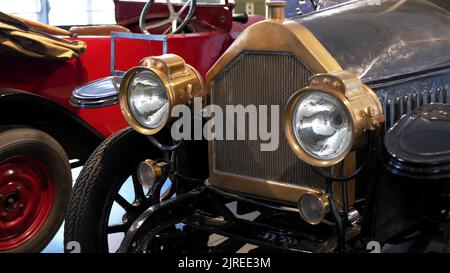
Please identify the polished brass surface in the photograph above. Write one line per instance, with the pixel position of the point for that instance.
(156, 170)
(271, 190)
(323, 199)
(359, 101)
(275, 10)
(277, 36)
(184, 80)
(272, 35)
(362, 100)
(182, 83)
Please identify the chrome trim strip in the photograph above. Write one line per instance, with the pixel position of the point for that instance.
(99, 93)
(79, 103)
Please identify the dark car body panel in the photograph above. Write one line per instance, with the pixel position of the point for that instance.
(387, 40)
(416, 145)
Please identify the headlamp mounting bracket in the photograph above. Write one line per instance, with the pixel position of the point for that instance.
(362, 101)
(184, 80)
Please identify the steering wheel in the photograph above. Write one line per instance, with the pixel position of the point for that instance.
(173, 17)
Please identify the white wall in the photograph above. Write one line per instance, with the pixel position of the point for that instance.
(64, 12)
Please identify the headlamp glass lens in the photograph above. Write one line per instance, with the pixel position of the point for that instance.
(148, 99)
(322, 126)
(311, 209)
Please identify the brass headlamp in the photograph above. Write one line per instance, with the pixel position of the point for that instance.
(149, 92)
(324, 121)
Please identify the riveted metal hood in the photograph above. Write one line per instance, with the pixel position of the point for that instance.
(382, 39)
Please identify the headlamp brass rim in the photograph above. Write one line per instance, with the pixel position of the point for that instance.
(200, 81)
(290, 134)
(323, 198)
(124, 101)
(156, 171)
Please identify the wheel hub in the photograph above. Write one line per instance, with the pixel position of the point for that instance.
(11, 201)
(26, 198)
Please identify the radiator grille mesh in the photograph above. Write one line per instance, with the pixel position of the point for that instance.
(261, 78)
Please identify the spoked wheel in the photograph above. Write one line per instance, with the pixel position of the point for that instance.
(35, 182)
(128, 203)
(108, 197)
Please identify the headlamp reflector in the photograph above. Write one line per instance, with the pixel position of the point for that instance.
(322, 126)
(148, 99)
(313, 208)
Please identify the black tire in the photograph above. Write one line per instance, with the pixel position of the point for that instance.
(101, 178)
(37, 144)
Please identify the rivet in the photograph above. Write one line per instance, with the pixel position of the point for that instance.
(336, 84)
(314, 82)
(370, 111)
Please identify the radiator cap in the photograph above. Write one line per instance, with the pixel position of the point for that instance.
(418, 145)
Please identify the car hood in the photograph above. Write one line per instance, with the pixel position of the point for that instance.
(381, 39)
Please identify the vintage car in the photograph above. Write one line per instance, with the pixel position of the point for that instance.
(42, 126)
(361, 159)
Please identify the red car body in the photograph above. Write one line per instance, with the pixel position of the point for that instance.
(36, 93)
(55, 81)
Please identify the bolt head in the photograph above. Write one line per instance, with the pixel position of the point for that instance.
(125, 218)
(315, 82)
(189, 88)
(326, 81)
(337, 84)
